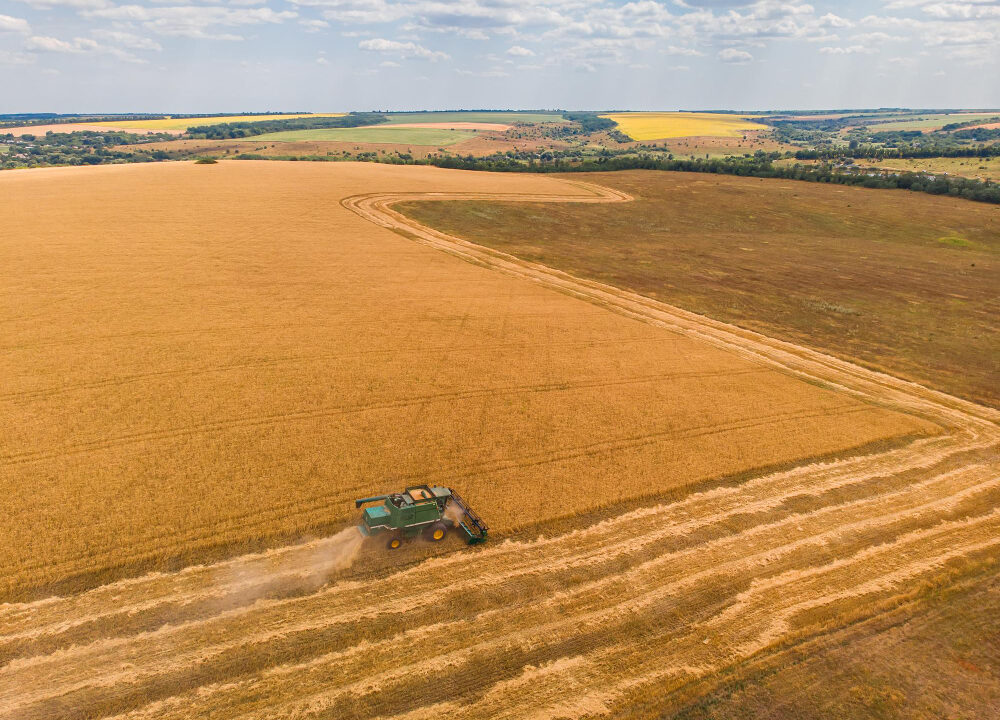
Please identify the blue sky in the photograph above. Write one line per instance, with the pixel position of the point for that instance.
(329, 55)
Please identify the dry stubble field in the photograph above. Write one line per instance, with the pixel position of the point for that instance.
(207, 359)
(901, 281)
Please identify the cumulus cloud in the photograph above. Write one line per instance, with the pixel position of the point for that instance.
(734, 56)
(850, 50)
(14, 25)
(313, 26)
(402, 49)
(77, 46)
(584, 35)
(962, 36)
(127, 40)
(519, 51)
(73, 4)
(834, 21)
(191, 20)
(42, 43)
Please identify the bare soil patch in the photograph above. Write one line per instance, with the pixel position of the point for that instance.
(698, 146)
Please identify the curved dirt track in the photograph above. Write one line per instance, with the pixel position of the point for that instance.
(573, 625)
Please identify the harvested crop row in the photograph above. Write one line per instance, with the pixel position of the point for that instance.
(820, 544)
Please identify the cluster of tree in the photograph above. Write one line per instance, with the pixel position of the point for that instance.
(235, 130)
(969, 123)
(823, 125)
(29, 119)
(755, 166)
(878, 152)
(87, 138)
(892, 138)
(867, 141)
(978, 134)
(79, 148)
(590, 122)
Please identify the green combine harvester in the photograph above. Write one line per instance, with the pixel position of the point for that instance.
(422, 509)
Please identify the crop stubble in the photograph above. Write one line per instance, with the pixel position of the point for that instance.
(671, 592)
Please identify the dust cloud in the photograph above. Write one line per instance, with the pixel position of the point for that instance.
(454, 513)
(304, 569)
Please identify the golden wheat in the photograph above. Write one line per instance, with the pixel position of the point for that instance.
(662, 125)
(250, 340)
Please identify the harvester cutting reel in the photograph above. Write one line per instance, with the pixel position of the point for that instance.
(422, 509)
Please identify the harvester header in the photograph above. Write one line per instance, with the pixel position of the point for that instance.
(428, 509)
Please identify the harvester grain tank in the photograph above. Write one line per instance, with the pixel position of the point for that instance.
(422, 509)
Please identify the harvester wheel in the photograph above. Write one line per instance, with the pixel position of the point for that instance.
(436, 532)
(394, 543)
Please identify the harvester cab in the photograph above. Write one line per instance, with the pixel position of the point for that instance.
(422, 509)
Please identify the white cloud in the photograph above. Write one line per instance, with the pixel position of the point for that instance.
(963, 10)
(734, 56)
(127, 40)
(77, 46)
(313, 26)
(41, 43)
(13, 24)
(402, 49)
(674, 50)
(74, 4)
(192, 21)
(834, 21)
(961, 36)
(568, 35)
(483, 73)
(877, 37)
(850, 50)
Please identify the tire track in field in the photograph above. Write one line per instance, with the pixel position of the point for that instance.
(135, 595)
(388, 404)
(120, 380)
(567, 453)
(102, 669)
(426, 654)
(658, 595)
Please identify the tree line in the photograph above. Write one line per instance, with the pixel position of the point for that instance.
(758, 166)
(235, 130)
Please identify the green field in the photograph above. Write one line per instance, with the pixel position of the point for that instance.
(374, 134)
(931, 121)
(484, 117)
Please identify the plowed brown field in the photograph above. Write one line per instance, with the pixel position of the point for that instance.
(221, 356)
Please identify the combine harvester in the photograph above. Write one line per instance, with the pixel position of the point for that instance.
(426, 509)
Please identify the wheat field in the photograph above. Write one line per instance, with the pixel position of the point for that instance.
(204, 359)
(662, 125)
